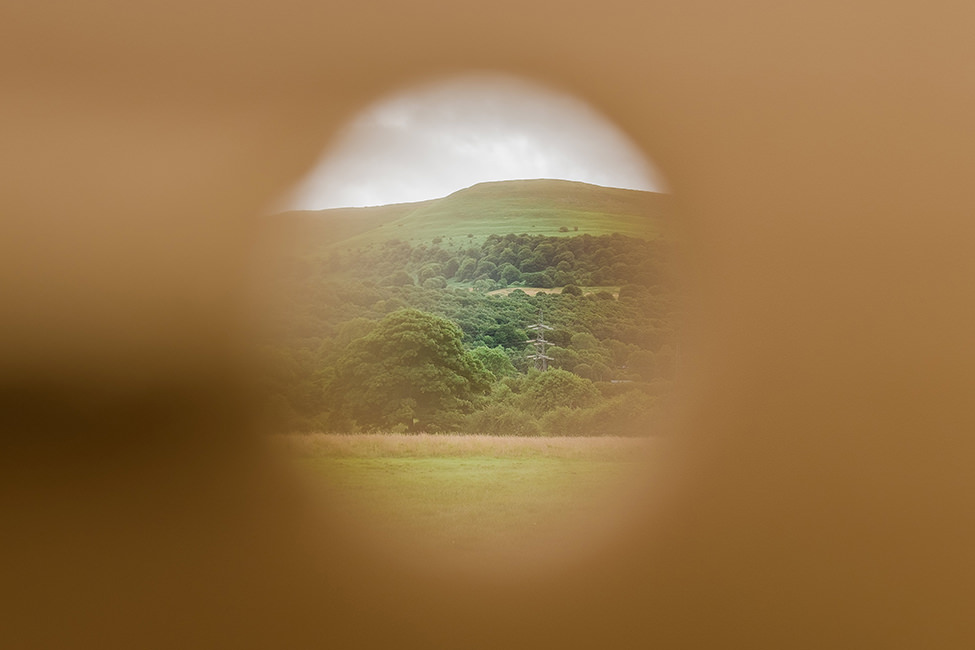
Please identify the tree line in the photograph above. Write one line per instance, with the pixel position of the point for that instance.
(370, 340)
(509, 260)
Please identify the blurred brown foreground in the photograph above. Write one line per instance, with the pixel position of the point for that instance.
(820, 492)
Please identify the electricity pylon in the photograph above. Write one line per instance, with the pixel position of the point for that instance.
(539, 343)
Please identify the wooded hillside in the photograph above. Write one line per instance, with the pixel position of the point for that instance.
(611, 302)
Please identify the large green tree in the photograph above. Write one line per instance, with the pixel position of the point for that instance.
(411, 372)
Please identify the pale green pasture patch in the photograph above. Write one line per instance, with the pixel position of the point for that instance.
(489, 504)
(444, 494)
(531, 291)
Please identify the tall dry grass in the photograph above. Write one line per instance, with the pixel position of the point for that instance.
(425, 445)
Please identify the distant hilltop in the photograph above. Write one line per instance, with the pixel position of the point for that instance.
(540, 206)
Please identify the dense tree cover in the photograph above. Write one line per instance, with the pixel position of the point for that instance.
(500, 261)
(397, 336)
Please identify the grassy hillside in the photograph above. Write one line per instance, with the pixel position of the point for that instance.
(318, 228)
(539, 207)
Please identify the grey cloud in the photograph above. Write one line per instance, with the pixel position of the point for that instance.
(436, 139)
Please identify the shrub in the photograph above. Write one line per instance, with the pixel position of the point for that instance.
(501, 420)
(566, 421)
(631, 414)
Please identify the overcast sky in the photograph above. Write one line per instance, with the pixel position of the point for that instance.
(435, 139)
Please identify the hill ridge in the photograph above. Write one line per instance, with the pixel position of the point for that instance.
(552, 207)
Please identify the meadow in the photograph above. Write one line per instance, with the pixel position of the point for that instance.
(468, 498)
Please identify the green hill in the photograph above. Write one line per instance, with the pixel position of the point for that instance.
(542, 207)
(489, 259)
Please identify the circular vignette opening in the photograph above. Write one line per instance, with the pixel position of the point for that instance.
(476, 349)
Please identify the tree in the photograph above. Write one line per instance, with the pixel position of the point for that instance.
(398, 279)
(466, 269)
(509, 273)
(584, 341)
(437, 282)
(411, 372)
(495, 360)
(558, 388)
(543, 280)
(509, 336)
(450, 267)
(428, 271)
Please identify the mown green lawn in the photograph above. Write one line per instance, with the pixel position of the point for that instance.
(457, 499)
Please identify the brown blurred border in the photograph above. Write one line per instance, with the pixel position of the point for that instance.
(819, 494)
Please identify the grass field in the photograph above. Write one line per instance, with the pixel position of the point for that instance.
(471, 497)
